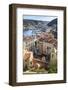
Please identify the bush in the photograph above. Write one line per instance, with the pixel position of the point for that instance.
(53, 69)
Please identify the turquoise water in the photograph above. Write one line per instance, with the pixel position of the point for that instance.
(28, 33)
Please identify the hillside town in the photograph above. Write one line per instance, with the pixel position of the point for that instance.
(40, 47)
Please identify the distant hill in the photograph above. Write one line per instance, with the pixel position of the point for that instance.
(52, 22)
(27, 21)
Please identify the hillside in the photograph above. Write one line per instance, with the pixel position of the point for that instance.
(40, 26)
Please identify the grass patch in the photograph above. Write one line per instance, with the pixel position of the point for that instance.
(52, 69)
(38, 70)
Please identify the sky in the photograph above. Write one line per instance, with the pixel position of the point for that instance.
(38, 17)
